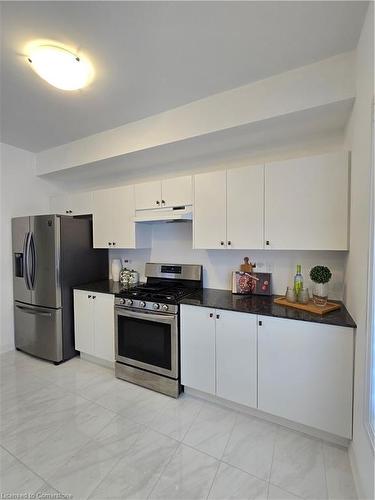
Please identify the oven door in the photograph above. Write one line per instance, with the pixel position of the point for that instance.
(147, 340)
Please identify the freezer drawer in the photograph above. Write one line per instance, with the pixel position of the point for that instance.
(38, 331)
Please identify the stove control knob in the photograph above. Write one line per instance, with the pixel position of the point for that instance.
(156, 306)
(165, 307)
(128, 302)
(121, 301)
(142, 304)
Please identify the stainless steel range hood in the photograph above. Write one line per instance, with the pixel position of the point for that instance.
(177, 214)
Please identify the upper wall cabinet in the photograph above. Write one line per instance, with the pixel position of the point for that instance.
(166, 193)
(113, 220)
(307, 203)
(72, 204)
(210, 210)
(228, 208)
(245, 207)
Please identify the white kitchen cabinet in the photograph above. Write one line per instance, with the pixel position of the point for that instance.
(113, 220)
(72, 204)
(245, 207)
(198, 348)
(83, 321)
(236, 357)
(210, 210)
(228, 208)
(174, 192)
(307, 203)
(177, 192)
(305, 373)
(219, 353)
(94, 328)
(148, 195)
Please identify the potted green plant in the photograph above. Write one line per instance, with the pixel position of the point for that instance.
(320, 276)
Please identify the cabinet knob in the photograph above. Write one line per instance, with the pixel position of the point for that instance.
(113, 243)
(109, 243)
(211, 315)
(89, 296)
(70, 211)
(267, 242)
(163, 202)
(94, 296)
(66, 211)
(260, 323)
(217, 316)
(222, 243)
(229, 243)
(157, 202)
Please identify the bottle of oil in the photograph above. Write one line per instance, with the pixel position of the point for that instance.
(298, 280)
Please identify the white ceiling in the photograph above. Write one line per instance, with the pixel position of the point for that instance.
(153, 56)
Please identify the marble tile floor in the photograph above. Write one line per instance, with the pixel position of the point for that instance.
(76, 430)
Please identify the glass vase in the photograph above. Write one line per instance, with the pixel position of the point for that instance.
(320, 294)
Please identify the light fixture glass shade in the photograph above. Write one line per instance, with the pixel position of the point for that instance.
(60, 67)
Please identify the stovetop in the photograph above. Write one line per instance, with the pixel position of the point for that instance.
(156, 292)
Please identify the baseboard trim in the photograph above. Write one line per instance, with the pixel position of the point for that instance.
(7, 348)
(310, 431)
(97, 361)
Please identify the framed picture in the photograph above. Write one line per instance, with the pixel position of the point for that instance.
(251, 283)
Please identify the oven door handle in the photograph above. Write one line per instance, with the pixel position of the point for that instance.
(162, 318)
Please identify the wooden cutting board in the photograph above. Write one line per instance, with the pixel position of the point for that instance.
(310, 307)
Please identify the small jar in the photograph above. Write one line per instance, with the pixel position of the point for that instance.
(290, 294)
(303, 296)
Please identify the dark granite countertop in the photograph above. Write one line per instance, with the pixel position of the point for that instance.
(253, 304)
(264, 305)
(103, 286)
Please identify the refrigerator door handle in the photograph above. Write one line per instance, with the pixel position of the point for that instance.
(36, 312)
(26, 251)
(33, 261)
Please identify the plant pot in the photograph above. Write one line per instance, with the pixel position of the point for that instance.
(320, 294)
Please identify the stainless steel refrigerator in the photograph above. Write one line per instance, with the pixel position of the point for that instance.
(51, 254)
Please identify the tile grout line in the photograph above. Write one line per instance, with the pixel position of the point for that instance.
(114, 465)
(29, 468)
(325, 467)
(164, 468)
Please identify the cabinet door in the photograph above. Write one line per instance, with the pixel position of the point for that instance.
(177, 192)
(84, 322)
(104, 327)
(102, 218)
(60, 204)
(81, 203)
(245, 207)
(305, 373)
(210, 210)
(306, 203)
(198, 348)
(148, 195)
(123, 212)
(236, 357)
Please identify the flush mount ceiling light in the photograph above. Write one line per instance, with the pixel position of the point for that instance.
(59, 66)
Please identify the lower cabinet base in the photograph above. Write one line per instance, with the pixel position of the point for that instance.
(157, 383)
(254, 412)
(96, 360)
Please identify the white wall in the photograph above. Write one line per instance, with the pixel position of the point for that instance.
(359, 138)
(22, 193)
(172, 242)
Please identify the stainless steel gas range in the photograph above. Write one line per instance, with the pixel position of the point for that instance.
(147, 326)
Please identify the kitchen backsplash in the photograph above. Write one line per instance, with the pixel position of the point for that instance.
(172, 242)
